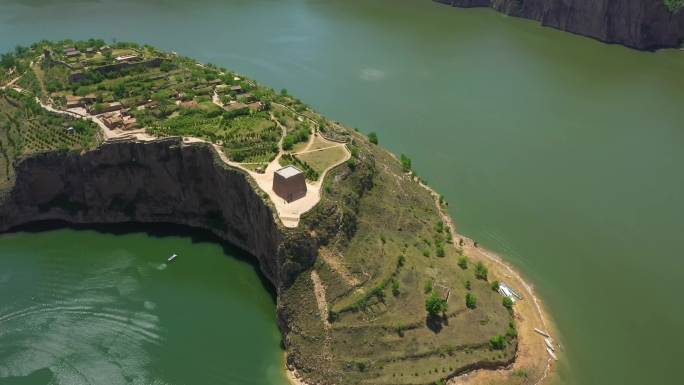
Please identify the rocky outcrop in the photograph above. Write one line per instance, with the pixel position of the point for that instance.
(641, 24)
(162, 181)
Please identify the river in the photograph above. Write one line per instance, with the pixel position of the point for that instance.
(559, 152)
(105, 307)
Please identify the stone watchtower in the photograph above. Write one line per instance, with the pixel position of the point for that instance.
(289, 183)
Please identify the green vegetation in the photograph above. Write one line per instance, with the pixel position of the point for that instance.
(463, 262)
(481, 271)
(373, 138)
(300, 135)
(435, 305)
(405, 163)
(508, 303)
(371, 214)
(495, 285)
(498, 342)
(674, 5)
(471, 301)
(26, 128)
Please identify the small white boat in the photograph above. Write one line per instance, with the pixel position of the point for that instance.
(549, 344)
(545, 334)
(552, 354)
(172, 258)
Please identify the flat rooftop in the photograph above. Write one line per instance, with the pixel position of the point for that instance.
(288, 171)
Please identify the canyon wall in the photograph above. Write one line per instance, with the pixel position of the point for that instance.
(641, 24)
(162, 181)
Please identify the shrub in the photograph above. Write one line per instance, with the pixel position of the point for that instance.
(498, 342)
(468, 285)
(440, 250)
(463, 262)
(395, 288)
(481, 271)
(674, 5)
(495, 285)
(428, 286)
(401, 261)
(405, 162)
(373, 138)
(435, 304)
(508, 303)
(471, 301)
(512, 332)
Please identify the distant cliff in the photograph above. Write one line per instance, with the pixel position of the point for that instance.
(641, 24)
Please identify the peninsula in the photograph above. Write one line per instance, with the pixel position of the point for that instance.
(374, 285)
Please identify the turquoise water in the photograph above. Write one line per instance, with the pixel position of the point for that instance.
(88, 307)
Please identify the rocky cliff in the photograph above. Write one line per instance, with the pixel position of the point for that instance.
(162, 181)
(641, 24)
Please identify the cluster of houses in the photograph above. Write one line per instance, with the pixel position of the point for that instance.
(246, 101)
(72, 52)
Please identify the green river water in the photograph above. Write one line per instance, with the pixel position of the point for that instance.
(559, 152)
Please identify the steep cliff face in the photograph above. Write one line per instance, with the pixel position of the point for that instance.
(162, 181)
(641, 24)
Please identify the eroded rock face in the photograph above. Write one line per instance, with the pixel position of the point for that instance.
(641, 24)
(162, 181)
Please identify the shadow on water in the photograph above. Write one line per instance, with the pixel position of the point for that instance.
(41, 376)
(157, 230)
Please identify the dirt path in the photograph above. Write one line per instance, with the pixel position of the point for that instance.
(305, 151)
(334, 261)
(319, 292)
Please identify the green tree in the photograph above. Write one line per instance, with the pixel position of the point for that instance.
(463, 262)
(395, 287)
(373, 138)
(435, 305)
(471, 301)
(481, 271)
(498, 342)
(162, 97)
(405, 162)
(495, 285)
(508, 303)
(439, 250)
(7, 60)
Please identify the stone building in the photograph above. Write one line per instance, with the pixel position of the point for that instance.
(289, 183)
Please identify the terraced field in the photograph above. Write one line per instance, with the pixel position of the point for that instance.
(26, 128)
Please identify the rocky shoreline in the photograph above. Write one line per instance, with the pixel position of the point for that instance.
(639, 24)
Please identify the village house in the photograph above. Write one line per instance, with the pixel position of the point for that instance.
(90, 98)
(190, 104)
(113, 121)
(289, 183)
(74, 101)
(237, 89)
(71, 52)
(255, 107)
(235, 106)
(107, 107)
(129, 123)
